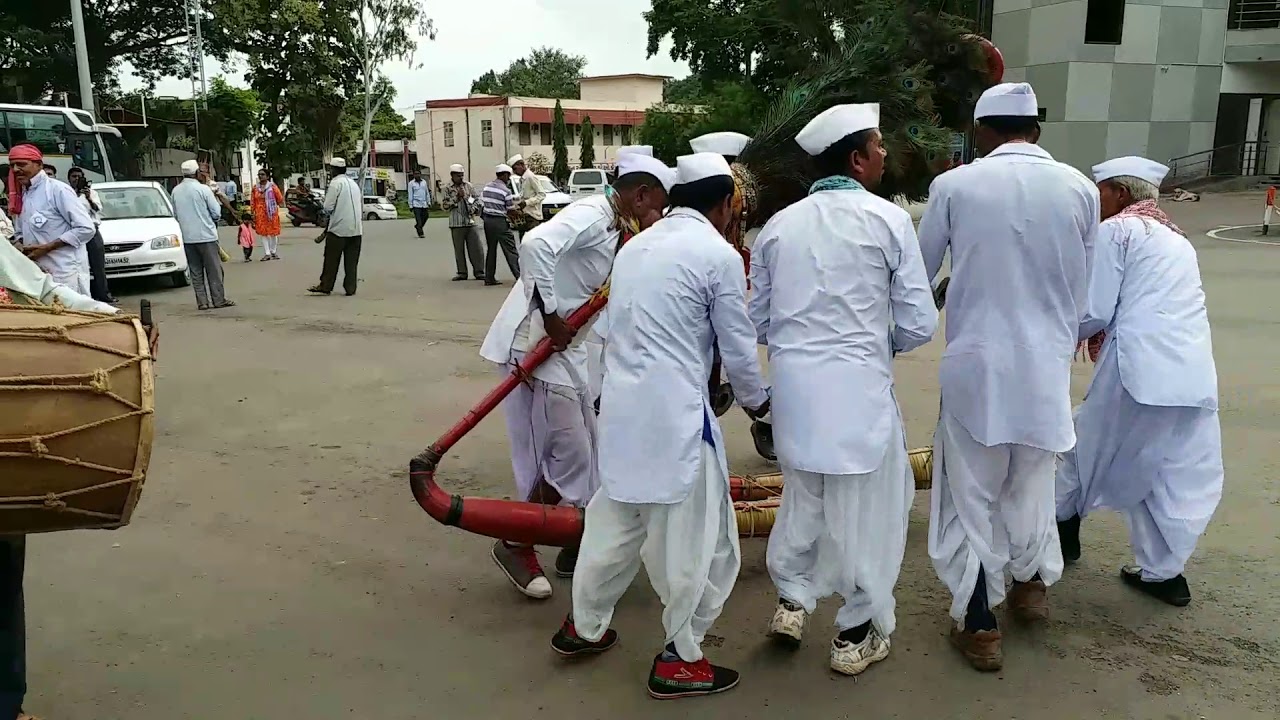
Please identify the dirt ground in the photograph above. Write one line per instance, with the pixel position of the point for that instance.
(277, 566)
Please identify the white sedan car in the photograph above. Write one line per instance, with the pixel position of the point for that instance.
(379, 208)
(141, 236)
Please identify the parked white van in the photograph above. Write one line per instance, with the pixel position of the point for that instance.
(584, 182)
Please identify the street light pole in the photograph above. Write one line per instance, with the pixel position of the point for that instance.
(82, 57)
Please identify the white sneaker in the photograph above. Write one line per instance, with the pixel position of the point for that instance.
(788, 624)
(850, 659)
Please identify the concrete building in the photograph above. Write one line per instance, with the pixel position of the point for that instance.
(1192, 82)
(481, 131)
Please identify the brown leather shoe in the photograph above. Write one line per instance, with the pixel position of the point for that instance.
(982, 648)
(1029, 601)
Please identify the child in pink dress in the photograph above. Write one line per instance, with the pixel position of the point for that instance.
(246, 238)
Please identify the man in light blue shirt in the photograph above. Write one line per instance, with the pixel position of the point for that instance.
(419, 201)
(342, 236)
(197, 211)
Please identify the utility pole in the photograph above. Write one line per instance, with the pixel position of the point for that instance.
(82, 57)
(199, 17)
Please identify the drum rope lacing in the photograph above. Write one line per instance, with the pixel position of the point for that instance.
(97, 381)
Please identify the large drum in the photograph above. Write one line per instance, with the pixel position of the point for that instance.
(76, 403)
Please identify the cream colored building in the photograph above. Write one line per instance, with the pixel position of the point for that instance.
(481, 131)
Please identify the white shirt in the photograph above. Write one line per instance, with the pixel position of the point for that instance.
(838, 285)
(1021, 229)
(90, 202)
(51, 211)
(343, 201)
(567, 259)
(1146, 293)
(677, 291)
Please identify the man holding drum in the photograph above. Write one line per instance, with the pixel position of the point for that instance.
(22, 282)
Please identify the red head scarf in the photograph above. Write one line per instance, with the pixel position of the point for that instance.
(30, 153)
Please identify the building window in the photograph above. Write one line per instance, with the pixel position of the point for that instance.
(608, 134)
(526, 137)
(448, 134)
(1104, 22)
(544, 134)
(626, 135)
(486, 133)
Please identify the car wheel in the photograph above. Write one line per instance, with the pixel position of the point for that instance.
(179, 279)
(371, 216)
(296, 222)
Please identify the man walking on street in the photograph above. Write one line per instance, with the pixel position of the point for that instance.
(497, 203)
(342, 236)
(419, 201)
(197, 211)
(529, 196)
(461, 202)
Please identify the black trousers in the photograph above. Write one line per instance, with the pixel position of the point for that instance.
(419, 219)
(13, 626)
(344, 250)
(97, 250)
(498, 233)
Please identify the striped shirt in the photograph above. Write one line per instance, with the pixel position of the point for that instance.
(496, 198)
(460, 209)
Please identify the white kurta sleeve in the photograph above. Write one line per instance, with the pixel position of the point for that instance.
(543, 247)
(1104, 283)
(915, 316)
(77, 215)
(1090, 240)
(735, 335)
(759, 306)
(935, 231)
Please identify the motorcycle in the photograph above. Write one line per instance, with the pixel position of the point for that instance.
(306, 210)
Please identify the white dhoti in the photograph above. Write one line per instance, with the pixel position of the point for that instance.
(551, 428)
(844, 534)
(1160, 466)
(690, 550)
(74, 279)
(990, 508)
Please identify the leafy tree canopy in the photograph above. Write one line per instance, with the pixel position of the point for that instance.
(546, 72)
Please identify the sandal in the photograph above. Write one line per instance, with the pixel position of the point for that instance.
(225, 304)
(318, 290)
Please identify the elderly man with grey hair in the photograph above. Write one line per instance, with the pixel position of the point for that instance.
(1148, 439)
(197, 211)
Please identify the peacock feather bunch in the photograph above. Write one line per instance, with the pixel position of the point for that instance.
(921, 66)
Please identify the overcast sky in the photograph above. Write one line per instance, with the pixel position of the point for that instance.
(475, 36)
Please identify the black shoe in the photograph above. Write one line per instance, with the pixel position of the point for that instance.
(762, 436)
(568, 643)
(491, 283)
(671, 679)
(566, 561)
(1173, 591)
(318, 290)
(456, 278)
(1069, 539)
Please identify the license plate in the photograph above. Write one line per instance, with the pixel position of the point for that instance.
(118, 261)
(555, 210)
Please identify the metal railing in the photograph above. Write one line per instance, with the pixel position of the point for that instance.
(1241, 159)
(1253, 14)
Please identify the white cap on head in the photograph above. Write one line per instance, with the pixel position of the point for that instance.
(635, 150)
(835, 124)
(337, 162)
(721, 143)
(635, 163)
(1131, 166)
(700, 166)
(456, 168)
(190, 168)
(502, 168)
(1007, 100)
(515, 159)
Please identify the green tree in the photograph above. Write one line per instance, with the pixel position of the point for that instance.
(587, 152)
(559, 139)
(668, 131)
(231, 119)
(685, 91)
(546, 72)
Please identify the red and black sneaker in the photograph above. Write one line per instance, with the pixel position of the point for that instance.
(672, 679)
(568, 643)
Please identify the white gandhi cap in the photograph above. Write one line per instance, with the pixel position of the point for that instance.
(700, 166)
(1007, 100)
(515, 159)
(456, 168)
(338, 163)
(635, 150)
(1131, 166)
(721, 143)
(190, 167)
(634, 163)
(835, 124)
(502, 168)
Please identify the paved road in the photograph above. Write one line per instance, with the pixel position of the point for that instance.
(278, 568)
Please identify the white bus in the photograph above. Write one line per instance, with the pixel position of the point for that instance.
(68, 137)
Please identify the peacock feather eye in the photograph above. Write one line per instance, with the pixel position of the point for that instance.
(953, 48)
(913, 130)
(910, 83)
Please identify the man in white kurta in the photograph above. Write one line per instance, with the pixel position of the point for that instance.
(550, 422)
(1020, 227)
(677, 289)
(1148, 442)
(54, 225)
(839, 287)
